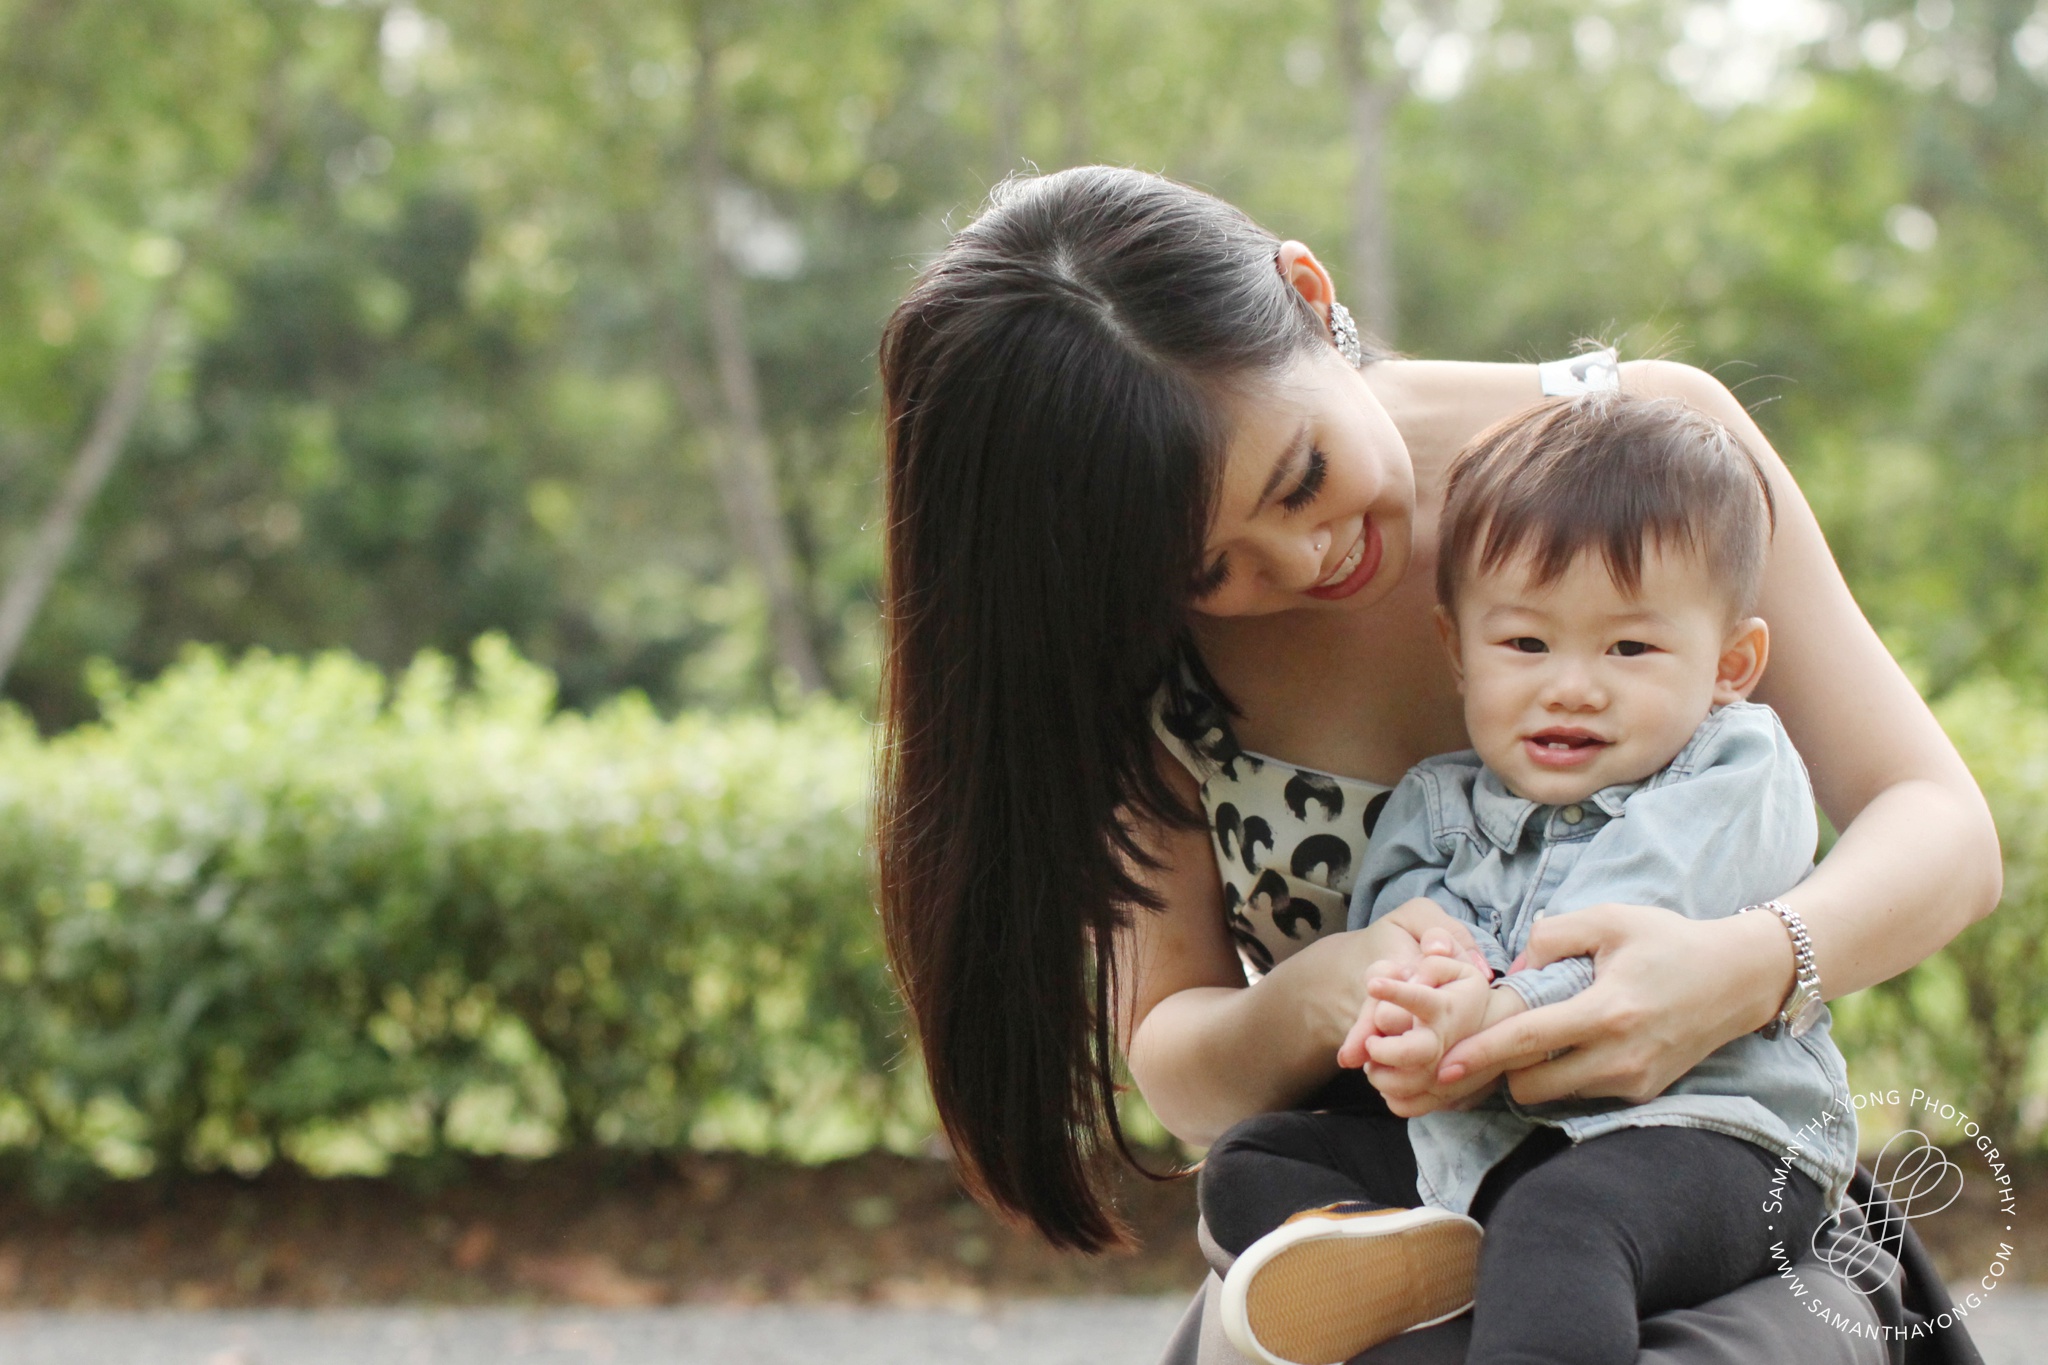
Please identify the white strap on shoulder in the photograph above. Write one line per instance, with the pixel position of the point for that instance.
(1592, 372)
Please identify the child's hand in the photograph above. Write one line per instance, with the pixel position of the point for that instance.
(1439, 957)
(1377, 1018)
(1446, 999)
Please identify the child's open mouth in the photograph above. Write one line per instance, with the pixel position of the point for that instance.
(1563, 747)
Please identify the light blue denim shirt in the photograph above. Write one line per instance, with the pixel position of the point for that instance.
(1728, 823)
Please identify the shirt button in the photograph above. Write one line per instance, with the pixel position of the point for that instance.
(1571, 815)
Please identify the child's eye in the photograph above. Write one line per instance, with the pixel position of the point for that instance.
(1628, 649)
(1528, 644)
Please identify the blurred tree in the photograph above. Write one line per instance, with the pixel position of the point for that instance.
(451, 368)
(746, 472)
(28, 584)
(1006, 85)
(1073, 83)
(1369, 97)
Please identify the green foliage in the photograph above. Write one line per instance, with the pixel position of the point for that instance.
(1971, 1023)
(265, 909)
(419, 391)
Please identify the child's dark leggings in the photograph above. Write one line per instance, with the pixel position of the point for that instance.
(1582, 1242)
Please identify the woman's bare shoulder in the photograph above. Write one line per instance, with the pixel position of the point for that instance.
(1455, 391)
(1460, 393)
(1438, 406)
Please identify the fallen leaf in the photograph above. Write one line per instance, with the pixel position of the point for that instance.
(588, 1278)
(473, 1250)
(710, 1180)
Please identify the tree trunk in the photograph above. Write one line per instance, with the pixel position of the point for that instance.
(24, 77)
(1369, 101)
(1006, 93)
(28, 586)
(1074, 96)
(36, 570)
(746, 469)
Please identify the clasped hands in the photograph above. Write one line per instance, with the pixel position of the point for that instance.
(1667, 991)
(1420, 1004)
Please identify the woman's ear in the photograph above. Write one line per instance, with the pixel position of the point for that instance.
(1300, 268)
(1447, 631)
(1743, 656)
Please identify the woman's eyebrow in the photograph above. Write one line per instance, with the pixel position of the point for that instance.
(1296, 452)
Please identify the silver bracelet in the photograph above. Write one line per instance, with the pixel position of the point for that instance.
(1803, 1006)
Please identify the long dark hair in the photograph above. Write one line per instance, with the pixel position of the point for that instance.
(1053, 386)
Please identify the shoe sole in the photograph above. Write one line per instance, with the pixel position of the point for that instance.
(1339, 1286)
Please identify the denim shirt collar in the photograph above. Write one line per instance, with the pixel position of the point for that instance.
(1504, 817)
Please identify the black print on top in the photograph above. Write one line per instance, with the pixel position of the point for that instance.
(1243, 932)
(1200, 722)
(1271, 898)
(1320, 788)
(1229, 831)
(1285, 841)
(1256, 833)
(1372, 811)
(1321, 858)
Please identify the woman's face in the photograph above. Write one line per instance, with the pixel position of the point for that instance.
(1317, 499)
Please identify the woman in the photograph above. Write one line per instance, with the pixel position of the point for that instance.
(1136, 490)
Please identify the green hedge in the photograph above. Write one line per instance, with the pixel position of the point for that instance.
(281, 909)
(1969, 1024)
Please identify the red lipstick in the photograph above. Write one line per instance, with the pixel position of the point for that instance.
(1368, 565)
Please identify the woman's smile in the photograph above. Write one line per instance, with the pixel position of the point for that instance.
(1357, 567)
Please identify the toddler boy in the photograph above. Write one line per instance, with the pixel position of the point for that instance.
(1599, 560)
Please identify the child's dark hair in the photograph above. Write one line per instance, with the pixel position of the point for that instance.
(1612, 473)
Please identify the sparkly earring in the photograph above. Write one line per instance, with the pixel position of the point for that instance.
(1344, 331)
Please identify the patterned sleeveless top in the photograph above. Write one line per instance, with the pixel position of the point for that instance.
(1288, 840)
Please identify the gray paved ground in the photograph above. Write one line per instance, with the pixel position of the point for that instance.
(1052, 1332)
(2013, 1330)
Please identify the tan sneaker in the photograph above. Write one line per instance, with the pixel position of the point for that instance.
(1329, 1283)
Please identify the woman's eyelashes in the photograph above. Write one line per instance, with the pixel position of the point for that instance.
(1218, 573)
(1311, 482)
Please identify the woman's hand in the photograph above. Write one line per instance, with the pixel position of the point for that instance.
(1390, 949)
(1434, 929)
(1434, 1002)
(1666, 992)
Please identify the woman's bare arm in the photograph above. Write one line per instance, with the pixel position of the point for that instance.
(1917, 861)
(1206, 1049)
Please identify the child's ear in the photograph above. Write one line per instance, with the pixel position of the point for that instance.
(1743, 656)
(1447, 631)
